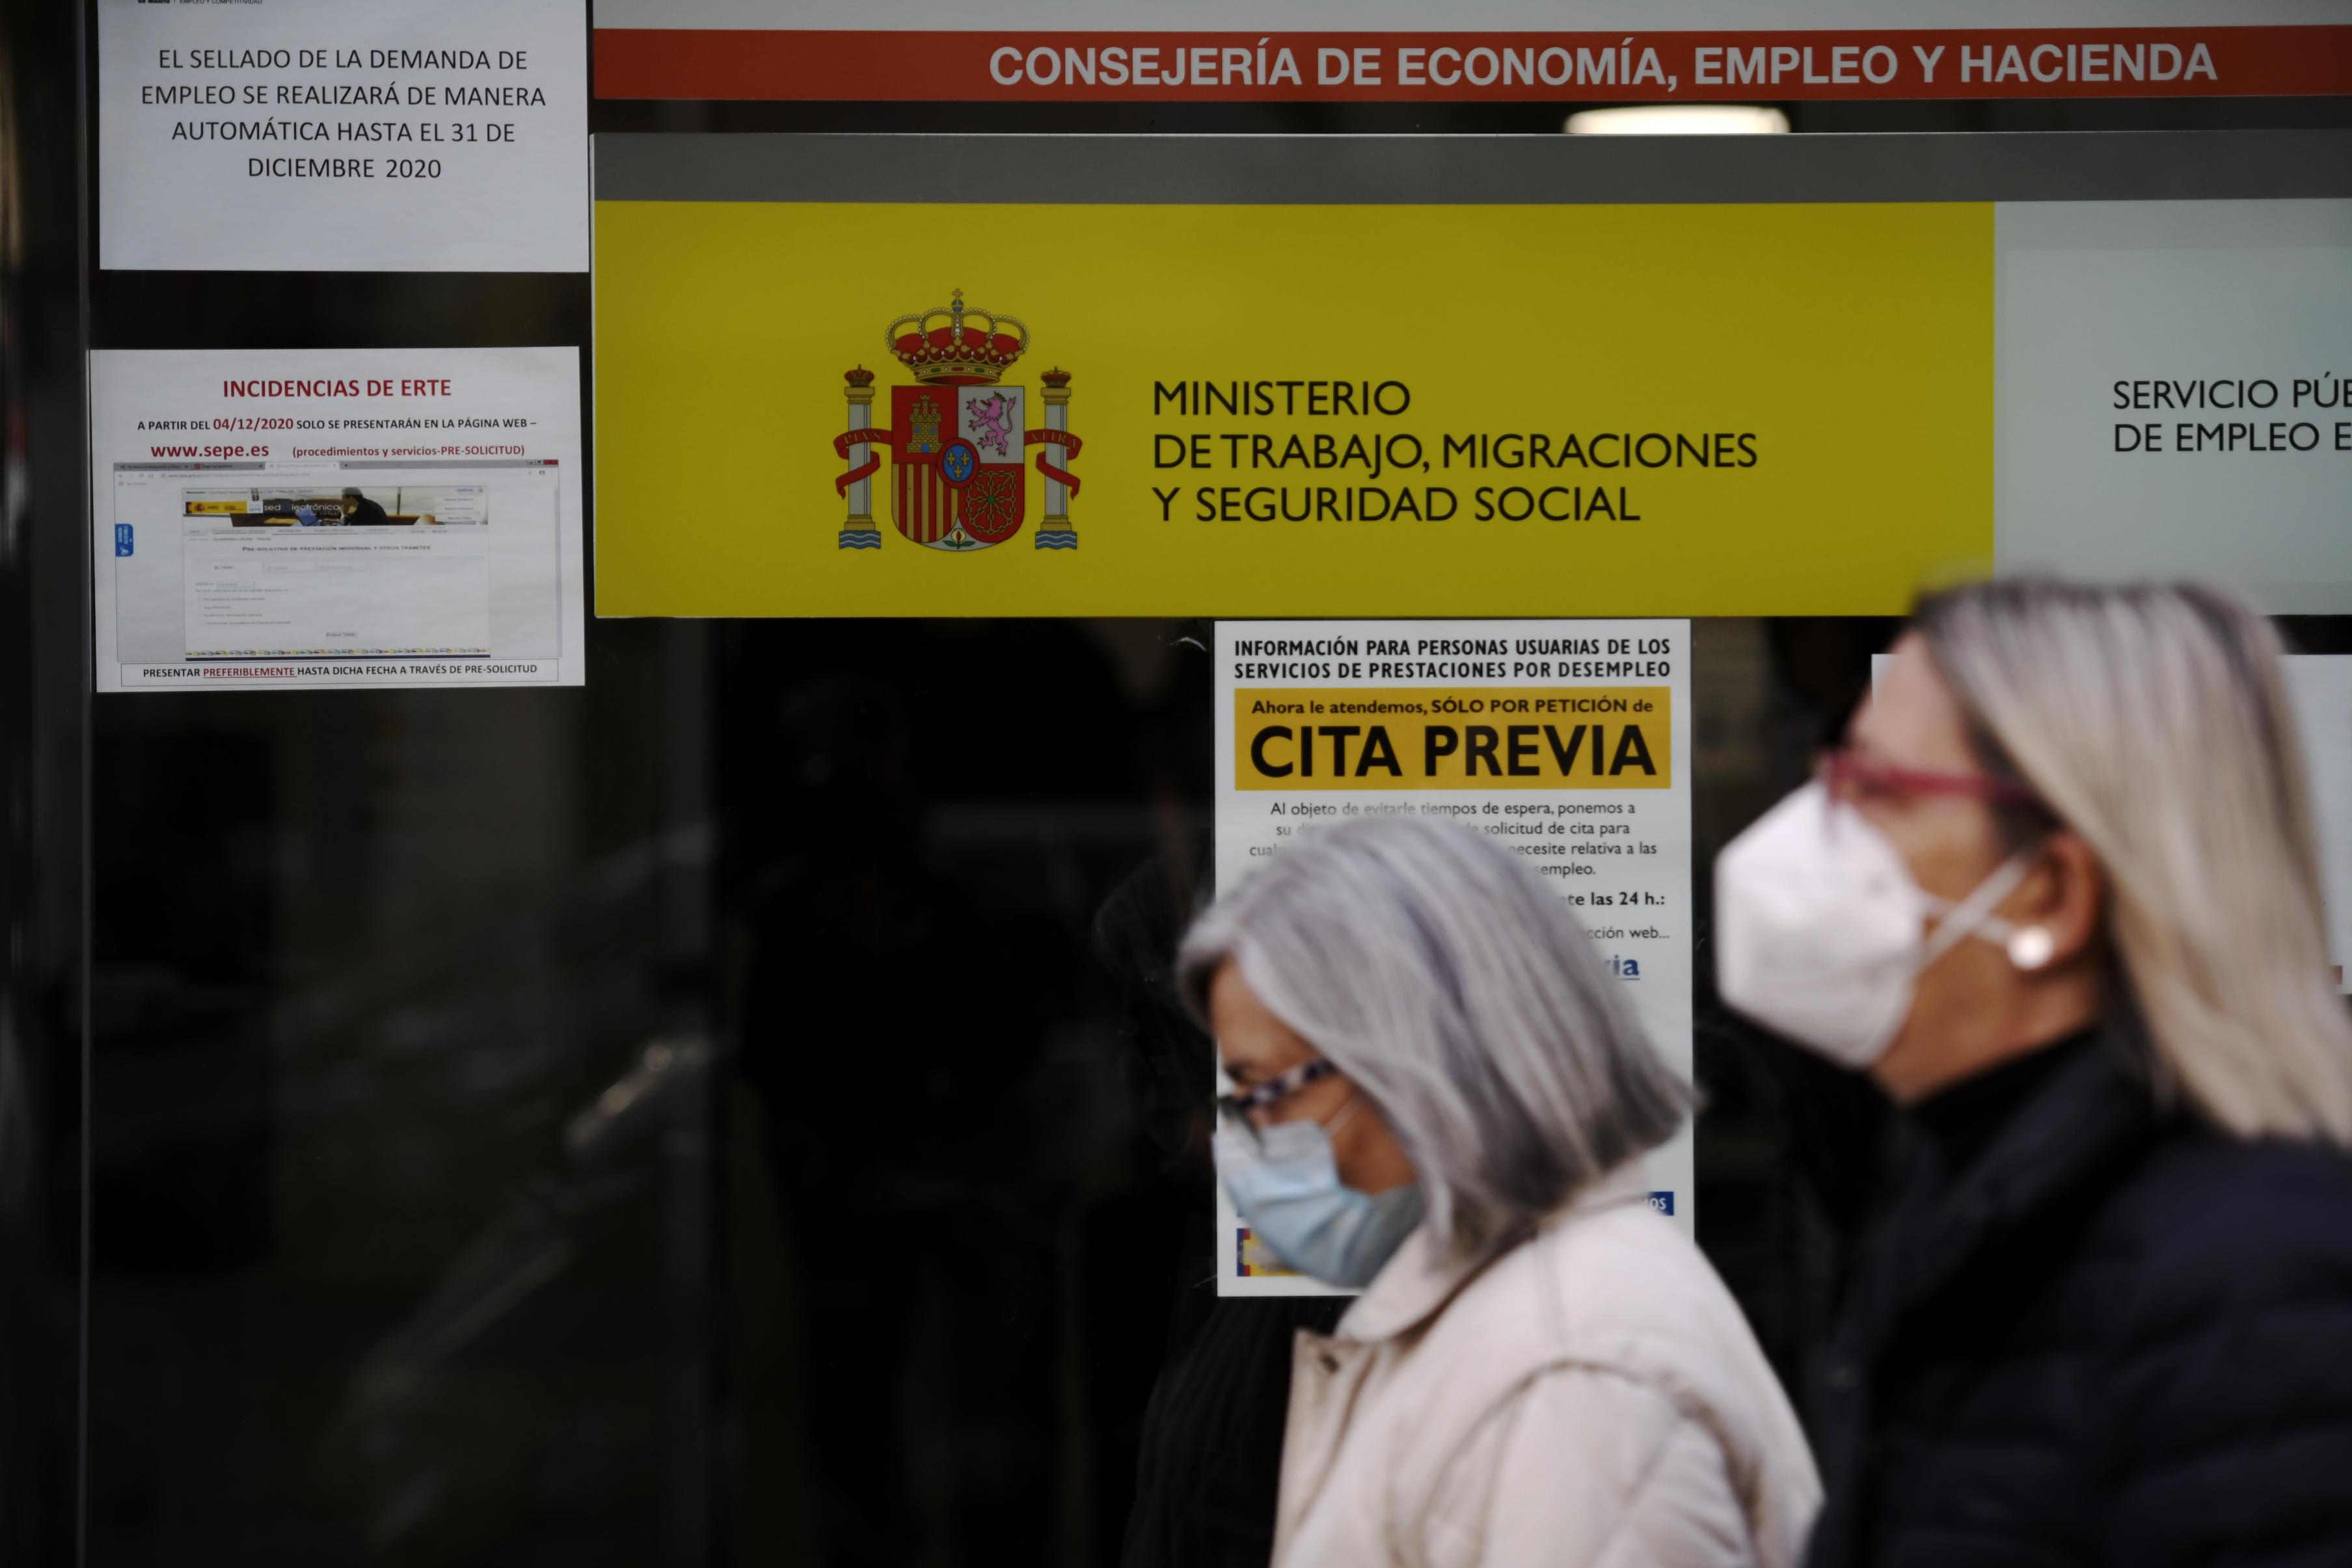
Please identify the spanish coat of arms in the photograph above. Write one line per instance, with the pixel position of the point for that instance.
(958, 438)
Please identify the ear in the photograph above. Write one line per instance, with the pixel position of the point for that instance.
(2066, 897)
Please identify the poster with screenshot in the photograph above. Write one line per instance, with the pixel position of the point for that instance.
(402, 517)
(1567, 741)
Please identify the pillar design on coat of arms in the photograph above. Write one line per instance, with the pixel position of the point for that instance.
(957, 438)
(857, 531)
(1055, 532)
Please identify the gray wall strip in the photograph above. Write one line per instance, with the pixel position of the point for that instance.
(2162, 166)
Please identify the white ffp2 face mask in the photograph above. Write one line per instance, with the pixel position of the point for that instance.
(1820, 928)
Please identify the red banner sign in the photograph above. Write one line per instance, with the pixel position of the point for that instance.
(1588, 67)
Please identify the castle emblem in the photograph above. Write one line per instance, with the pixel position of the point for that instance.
(957, 437)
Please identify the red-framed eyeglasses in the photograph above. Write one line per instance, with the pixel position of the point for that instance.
(1845, 771)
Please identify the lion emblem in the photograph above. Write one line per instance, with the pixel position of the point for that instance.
(991, 419)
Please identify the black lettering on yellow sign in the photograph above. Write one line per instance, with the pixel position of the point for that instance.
(1453, 739)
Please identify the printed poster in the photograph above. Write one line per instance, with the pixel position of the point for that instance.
(336, 517)
(1567, 739)
(324, 136)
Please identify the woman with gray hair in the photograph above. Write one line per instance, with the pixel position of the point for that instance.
(2059, 896)
(1439, 1093)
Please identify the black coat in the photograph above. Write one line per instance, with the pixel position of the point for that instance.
(2112, 1337)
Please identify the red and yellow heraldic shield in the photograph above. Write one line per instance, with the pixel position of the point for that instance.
(956, 464)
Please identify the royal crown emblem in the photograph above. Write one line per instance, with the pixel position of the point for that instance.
(958, 438)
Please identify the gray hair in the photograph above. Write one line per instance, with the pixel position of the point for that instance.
(2154, 720)
(1458, 993)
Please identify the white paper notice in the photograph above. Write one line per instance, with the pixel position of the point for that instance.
(322, 136)
(369, 516)
(1568, 741)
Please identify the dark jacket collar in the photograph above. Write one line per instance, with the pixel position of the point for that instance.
(1962, 1120)
(2090, 1111)
(2088, 1116)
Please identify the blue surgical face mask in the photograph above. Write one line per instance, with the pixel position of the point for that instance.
(1285, 1180)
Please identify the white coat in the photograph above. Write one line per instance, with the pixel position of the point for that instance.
(1591, 1399)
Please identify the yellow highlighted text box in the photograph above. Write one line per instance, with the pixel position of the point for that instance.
(1444, 737)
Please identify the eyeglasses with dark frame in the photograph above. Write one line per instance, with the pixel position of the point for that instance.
(1845, 770)
(1243, 1103)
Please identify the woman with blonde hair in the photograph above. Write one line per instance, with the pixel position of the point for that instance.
(2058, 895)
(1442, 1097)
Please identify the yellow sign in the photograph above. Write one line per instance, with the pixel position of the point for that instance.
(874, 409)
(1481, 738)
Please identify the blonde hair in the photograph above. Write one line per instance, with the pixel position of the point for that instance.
(2154, 722)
